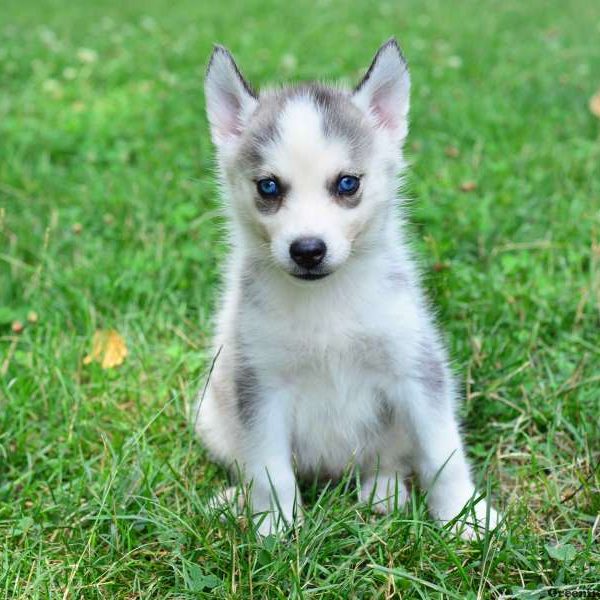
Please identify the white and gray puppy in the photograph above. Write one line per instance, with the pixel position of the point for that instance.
(328, 353)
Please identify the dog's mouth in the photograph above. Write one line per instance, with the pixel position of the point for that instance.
(309, 276)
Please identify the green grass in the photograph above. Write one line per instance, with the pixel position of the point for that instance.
(109, 219)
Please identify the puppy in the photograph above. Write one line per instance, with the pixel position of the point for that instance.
(327, 352)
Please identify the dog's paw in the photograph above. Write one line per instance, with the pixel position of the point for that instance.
(471, 525)
(231, 497)
(231, 500)
(274, 523)
(474, 526)
(383, 493)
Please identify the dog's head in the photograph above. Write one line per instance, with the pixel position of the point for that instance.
(309, 169)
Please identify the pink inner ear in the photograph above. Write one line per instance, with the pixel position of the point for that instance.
(229, 121)
(382, 105)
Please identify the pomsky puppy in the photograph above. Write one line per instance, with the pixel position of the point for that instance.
(327, 352)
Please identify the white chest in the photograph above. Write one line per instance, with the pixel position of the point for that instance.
(338, 367)
(337, 417)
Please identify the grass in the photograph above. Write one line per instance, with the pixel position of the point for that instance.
(109, 219)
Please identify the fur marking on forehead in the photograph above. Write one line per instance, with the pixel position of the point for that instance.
(339, 119)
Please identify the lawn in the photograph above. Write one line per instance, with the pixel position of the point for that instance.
(109, 219)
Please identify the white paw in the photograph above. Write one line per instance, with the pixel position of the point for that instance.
(274, 523)
(269, 522)
(486, 518)
(473, 523)
(230, 500)
(384, 493)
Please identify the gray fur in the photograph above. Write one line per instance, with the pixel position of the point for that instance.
(431, 368)
(398, 277)
(249, 292)
(246, 388)
(269, 206)
(386, 413)
(261, 132)
(390, 43)
(342, 119)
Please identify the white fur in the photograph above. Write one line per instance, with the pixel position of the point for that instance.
(326, 352)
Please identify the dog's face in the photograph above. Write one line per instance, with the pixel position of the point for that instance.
(309, 169)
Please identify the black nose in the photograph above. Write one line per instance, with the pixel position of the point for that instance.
(308, 252)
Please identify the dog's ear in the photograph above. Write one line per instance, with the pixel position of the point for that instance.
(229, 98)
(385, 90)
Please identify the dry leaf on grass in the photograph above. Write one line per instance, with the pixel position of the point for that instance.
(468, 186)
(108, 349)
(595, 104)
(438, 267)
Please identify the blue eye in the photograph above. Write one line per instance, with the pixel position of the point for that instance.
(268, 188)
(348, 185)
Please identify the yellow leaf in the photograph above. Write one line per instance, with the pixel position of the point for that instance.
(595, 104)
(108, 348)
(468, 186)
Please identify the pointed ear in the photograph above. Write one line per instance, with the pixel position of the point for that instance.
(385, 90)
(229, 98)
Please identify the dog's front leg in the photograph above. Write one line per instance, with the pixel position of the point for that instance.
(268, 468)
(441, 463)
